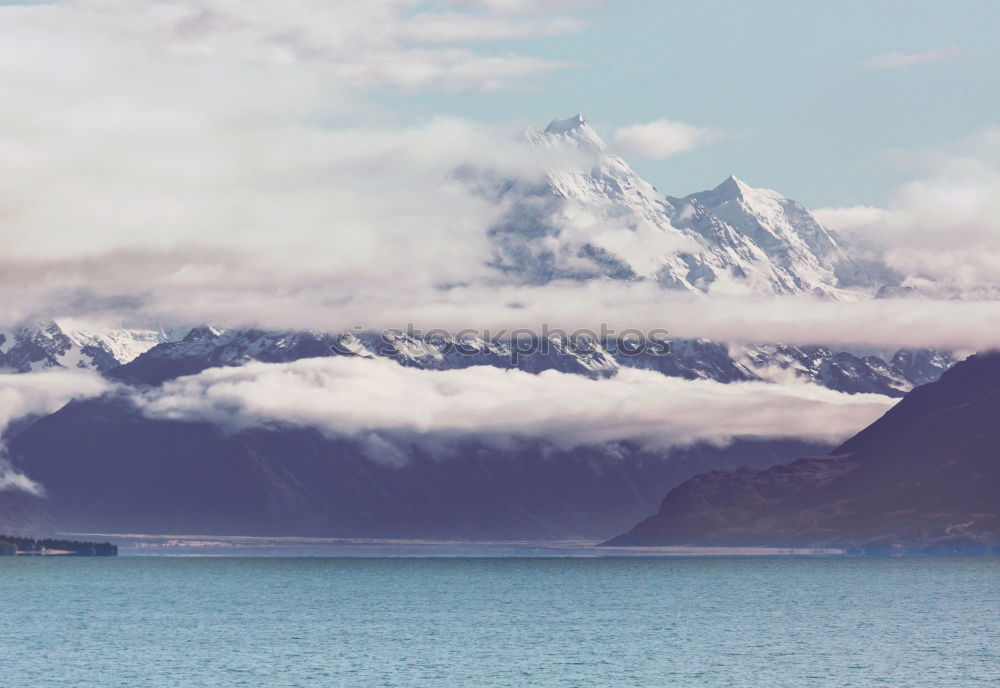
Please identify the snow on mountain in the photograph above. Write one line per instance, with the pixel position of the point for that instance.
(595, 178)
(591, 215)
(69, 344)
(206, 348)
(152, 357)
(852, 372)
(587, 214)
(802, 255)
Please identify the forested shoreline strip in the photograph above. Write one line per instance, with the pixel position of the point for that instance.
(11, 545)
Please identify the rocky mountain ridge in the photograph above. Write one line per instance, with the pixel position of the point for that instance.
(691, 359)
(67, 345)
(152, 356)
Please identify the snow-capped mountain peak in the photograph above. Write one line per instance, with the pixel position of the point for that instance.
(734, 187)
(774, 222)
(738, 187)
(783, 229)
(590, 215)
(562, 126)
(566, 138)
(578, 130)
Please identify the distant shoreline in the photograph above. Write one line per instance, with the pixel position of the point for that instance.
(145, 544)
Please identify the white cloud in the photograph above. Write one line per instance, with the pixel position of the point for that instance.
(444, 27)
(850, 218)
(897, 60)
(358, 43)
(942, 230)
(357, 397)
(39, 393)
(662, 138)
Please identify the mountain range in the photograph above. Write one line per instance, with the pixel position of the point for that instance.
(204, 348)
(587, 215)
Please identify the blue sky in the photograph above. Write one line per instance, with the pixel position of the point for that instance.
(782, 78)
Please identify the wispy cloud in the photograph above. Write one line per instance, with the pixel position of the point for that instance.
(353, 44)
(939, 230)
(897, 60)
(662, 138)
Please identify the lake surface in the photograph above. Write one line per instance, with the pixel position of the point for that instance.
(665, 622)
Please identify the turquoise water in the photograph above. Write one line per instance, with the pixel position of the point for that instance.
(705, 622)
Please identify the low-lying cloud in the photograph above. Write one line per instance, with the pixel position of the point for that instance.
(371, 398)
(39, 393)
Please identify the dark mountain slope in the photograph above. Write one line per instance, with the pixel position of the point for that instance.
(106, 468)
(925, 477)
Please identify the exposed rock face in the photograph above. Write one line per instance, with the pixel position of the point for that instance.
(924, 477)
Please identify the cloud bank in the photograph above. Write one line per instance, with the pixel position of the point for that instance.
(365, 398)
